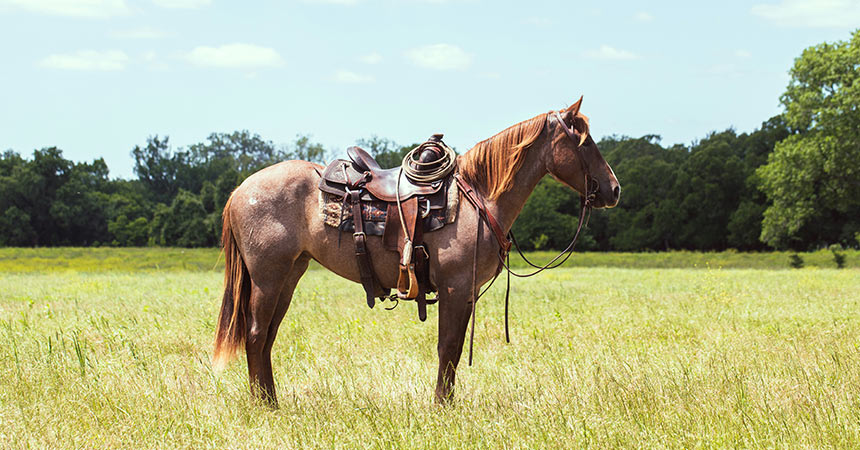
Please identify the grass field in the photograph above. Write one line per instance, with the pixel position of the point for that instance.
(96, 355)
(197, 259)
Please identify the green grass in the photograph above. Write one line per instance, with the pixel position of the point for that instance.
(601, 357)
(100, 259)
(209, 259)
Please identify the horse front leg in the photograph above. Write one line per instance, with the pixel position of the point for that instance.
(454, 313)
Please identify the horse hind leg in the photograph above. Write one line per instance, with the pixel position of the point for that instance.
(267, 310)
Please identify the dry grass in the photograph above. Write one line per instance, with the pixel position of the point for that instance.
(605, 358)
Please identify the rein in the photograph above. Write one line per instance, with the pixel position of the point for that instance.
(505, 241)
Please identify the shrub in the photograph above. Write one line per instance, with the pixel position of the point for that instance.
(795, 261)
(838, 256)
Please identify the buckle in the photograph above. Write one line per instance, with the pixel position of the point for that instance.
(426, 255)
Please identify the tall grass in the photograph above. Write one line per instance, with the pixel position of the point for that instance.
(209, 259)
(600, 357)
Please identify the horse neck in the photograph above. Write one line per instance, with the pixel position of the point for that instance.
(510, 203)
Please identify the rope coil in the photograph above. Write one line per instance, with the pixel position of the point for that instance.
(424, 172)
(427, 172)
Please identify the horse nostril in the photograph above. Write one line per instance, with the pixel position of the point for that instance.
(616, 193)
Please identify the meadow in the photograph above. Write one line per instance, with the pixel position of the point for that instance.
(108, 348)
(102, 259)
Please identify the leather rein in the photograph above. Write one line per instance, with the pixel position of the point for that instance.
(506, 241)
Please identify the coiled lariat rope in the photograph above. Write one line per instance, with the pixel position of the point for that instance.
(428, 172)
(424, 172)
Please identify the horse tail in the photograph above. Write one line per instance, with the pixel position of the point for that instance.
(232, 326)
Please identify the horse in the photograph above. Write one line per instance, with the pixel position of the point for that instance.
(272, 230)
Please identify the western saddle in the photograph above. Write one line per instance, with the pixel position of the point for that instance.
(406, 200)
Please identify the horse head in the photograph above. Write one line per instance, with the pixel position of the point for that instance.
(575, 160)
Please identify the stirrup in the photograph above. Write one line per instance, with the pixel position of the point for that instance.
(407, 282)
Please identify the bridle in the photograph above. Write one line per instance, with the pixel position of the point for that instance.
(591, 187)
(586, 201)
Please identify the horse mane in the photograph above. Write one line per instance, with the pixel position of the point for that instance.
(492, 163)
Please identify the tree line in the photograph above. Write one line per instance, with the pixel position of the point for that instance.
(792, 183)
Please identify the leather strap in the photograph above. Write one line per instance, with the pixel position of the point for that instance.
(359, 238)
(422, 269)
(407, 283)
(477, 201)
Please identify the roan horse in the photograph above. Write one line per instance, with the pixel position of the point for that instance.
(272, 230)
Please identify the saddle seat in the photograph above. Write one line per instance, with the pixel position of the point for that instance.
(382, 183)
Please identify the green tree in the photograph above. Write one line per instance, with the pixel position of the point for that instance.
(709, 190)
(182, 224)
(306, 150)
(549, 218)
(647, 216)
(812, 176)
(156, 167)
(745, 222)
(33, 188)
(386, 152)
(245, 152)
(16, 227)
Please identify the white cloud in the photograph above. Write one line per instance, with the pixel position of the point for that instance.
(371, 58)
(87, 60)
(140, 33)
(345, 76)
(741, 53)
(643, 16)
(811, 13)
(100, 9)
(235, 56)
(440, 57)
(182, 4)
(610, 53)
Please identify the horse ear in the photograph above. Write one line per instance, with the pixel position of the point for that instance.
(580, 122)
(573, 110)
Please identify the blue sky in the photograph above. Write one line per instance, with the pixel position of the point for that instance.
(96, 77)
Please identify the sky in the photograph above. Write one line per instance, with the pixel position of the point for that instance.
(97, 77)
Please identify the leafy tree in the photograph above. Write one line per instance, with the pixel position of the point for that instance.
(386, 152)
(128, 211)
(709, 191)
(156, 167)
(745, 222)
(246, 152)
(647, 216)
(128, 233)
(78, 208)
(549, 218)
(35, 185)
(182, 224)
(812, 176)
(306, 150)
(16, 227)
